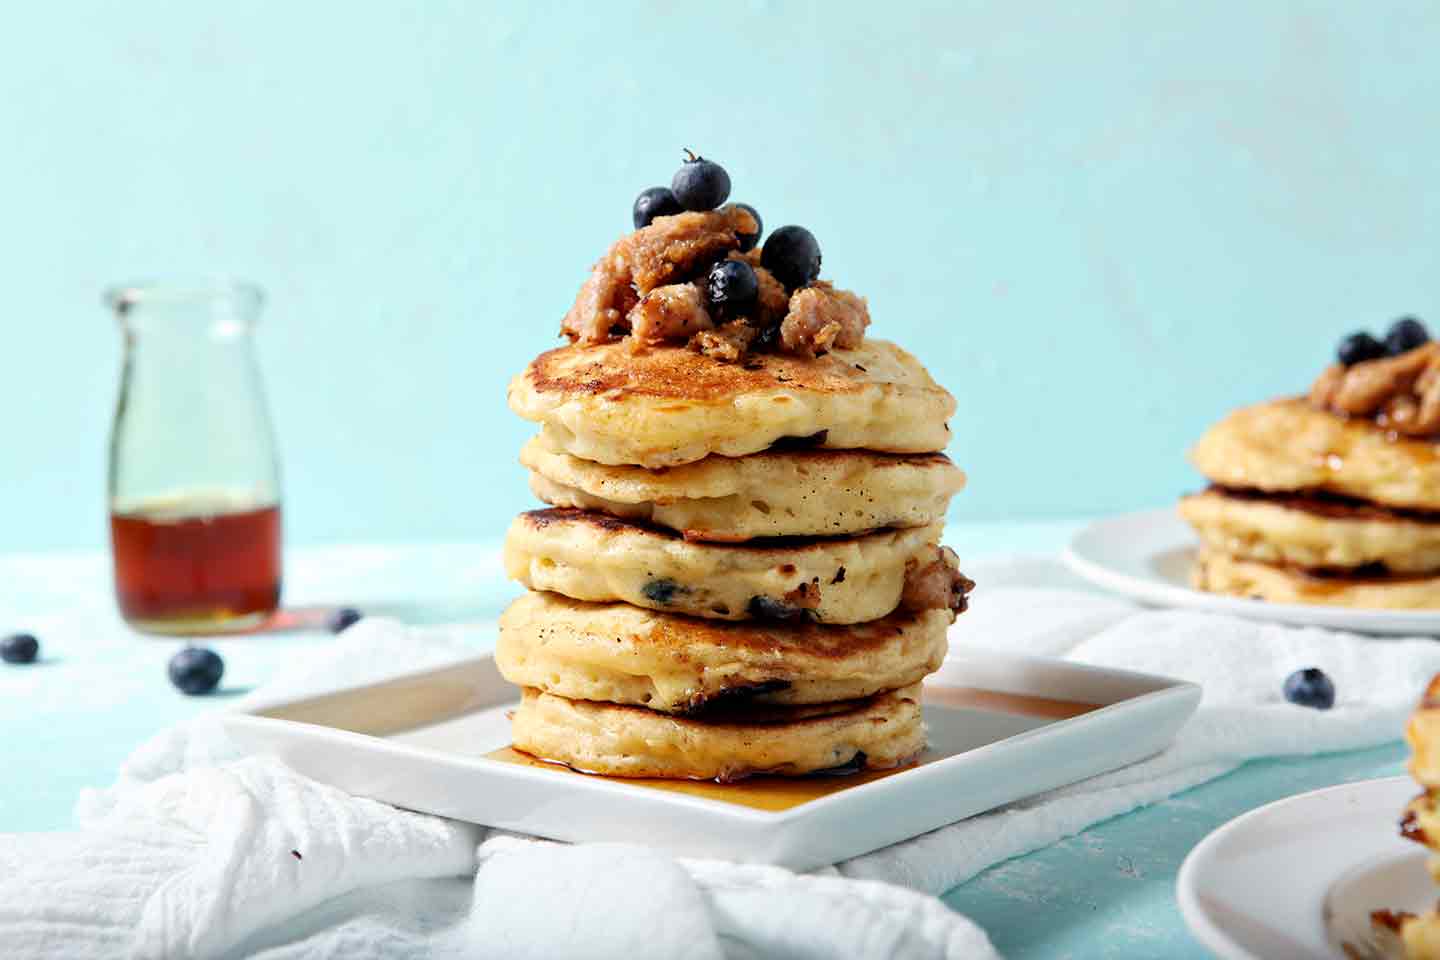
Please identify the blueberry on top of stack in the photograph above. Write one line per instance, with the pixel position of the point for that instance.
(740, 570)
(1333, 498)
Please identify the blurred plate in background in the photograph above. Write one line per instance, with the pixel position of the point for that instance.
(1147, 556)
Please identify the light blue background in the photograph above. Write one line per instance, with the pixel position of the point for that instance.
(1100, 224)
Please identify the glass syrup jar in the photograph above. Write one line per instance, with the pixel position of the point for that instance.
(194, 481)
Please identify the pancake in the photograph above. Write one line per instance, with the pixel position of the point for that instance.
(624, 654)
(1406, 935)
(668, 405)
(778, 493)
(1312, 532)
(591, 556)
(1422, 733)
(1289, 445)
(1221, 573)
(875, 733)
(1421, 824)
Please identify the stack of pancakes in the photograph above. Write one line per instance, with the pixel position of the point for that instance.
(1311, 505)
(740, 571)
(1417, 937)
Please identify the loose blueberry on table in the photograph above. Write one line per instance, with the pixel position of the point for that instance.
(1310, 687)
(343, 619)
(196, 670)
(700, 184)
(19, 648)
(1405, 335)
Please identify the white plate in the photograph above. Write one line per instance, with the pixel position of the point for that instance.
(1299, 877)
(999, 731)
(1147, 555)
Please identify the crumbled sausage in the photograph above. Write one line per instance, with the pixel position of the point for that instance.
(727, 343)
(1402, 393)
(773, 302)
(604, 300)
(936, 585)
(674, 248)
(673, 312)
(647, 285)
(821, 317)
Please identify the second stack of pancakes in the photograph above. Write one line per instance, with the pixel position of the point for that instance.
(1332, 498)
(771, 612)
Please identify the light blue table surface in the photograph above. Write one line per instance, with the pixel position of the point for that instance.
(69, 722)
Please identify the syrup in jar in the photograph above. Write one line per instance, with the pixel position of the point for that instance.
(196, 564)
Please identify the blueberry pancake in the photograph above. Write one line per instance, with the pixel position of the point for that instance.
(777, 493)
(589, 556)
(874, 733)
(623, 654)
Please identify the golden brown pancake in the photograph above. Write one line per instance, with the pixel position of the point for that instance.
(1423, 735)
(1222, 573)
(1406, 934)
(1312, 532)
(778, 493)
(878, 732)
(668, 405)
(1288, 445)
(670, 663)
(592, 556)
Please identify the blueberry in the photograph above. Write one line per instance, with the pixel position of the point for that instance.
(19, 648)
(652, 203)
(748, 240)
(1357, 348)
(1405, 335)
(793, 255)
(766, 608)
(662, 591)
(700, 184)
(732, 287)
(196, 670)
(1310, 688)
(343, 619)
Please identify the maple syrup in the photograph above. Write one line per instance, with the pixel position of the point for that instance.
(775, 793)
(195, 568)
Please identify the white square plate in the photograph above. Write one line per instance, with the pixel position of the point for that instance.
(1001, 728)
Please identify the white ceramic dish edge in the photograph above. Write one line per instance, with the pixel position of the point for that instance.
(1093, 554)
(822, 831)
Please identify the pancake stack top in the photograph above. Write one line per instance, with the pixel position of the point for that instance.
(1332, 498)
(740, 570)
(1417, 937)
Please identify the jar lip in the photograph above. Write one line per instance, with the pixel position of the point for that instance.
(241, 293)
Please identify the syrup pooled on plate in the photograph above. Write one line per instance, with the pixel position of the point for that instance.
(196, 564)
(781, 793)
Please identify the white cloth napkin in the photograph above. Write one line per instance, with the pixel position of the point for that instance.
(199, 852)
